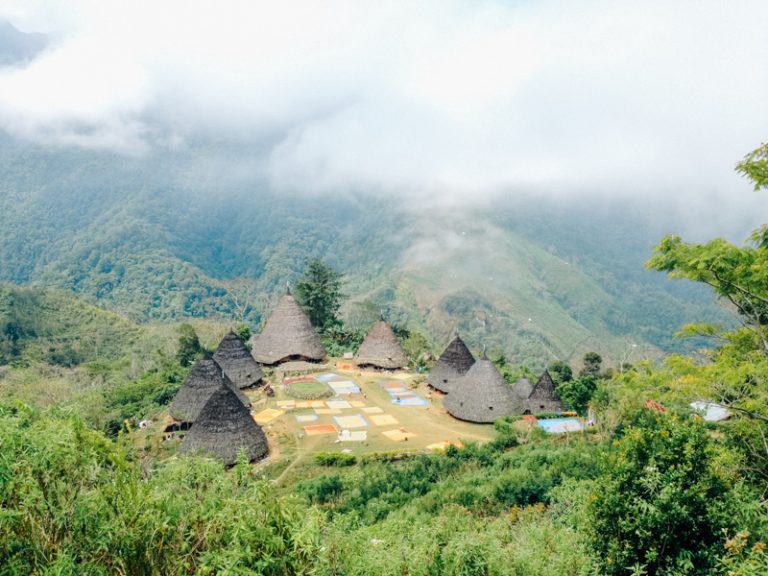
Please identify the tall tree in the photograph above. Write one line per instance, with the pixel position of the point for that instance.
(319, 293)
(738, 376)
(189, 349)
(560, 372)
(592, 364)
(739, 275)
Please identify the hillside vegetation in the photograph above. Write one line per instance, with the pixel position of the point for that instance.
(177, 235)
(651, 489)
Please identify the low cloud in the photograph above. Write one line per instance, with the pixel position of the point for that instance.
(445, 100)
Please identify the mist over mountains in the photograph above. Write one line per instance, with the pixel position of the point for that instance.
(19, 48)
(169, 236)
(502, 168)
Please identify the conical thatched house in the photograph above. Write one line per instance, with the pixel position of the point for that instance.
(380, 349)
(523, 388)
(237, 362)
(543, 397)
(288, 335)
(224, 428)
(453, 363)
(482, 395)
(205, 378)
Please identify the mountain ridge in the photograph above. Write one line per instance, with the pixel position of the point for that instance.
(141, 237)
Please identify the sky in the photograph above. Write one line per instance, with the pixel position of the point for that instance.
(460, 100)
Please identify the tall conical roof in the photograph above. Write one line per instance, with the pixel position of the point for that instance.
(205, 378)
(543, 398)
(523, 388)
(224, 428)
(237, 362)
(482, 395)
(381, 348)
(287, 335)
(452, 365)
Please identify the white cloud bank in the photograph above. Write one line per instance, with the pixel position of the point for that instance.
(444, 97)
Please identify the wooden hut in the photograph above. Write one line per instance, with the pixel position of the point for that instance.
(543, 397)
(288, 335)
(482, 395)
(453, 363)
(205, 378)
(380, 349)
(224, 428)
(237, 362)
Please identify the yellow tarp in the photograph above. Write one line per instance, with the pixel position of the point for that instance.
(383, 419)
(399, 434)
(266, 416)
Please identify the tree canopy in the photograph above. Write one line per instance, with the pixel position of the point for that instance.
(319, 293)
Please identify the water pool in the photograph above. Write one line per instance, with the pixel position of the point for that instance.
(560, 425)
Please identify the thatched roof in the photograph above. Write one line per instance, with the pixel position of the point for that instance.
(287, 335)
(452, 365)
(224, 428)
(482, 395)
(237, 362)
(381, 349)
(205, 378)
(543, 398)
(523, 388)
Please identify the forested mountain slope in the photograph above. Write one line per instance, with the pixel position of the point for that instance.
(181, 233)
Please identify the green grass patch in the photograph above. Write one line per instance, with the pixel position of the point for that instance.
(309, 390)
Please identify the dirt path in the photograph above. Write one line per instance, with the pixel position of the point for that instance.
(309, 448)
(299, 456)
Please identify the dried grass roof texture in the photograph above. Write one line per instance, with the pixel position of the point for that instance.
(523, 388)
(237, 362)
(287, 335)
(205, 378)
(544, 396)
(381, 349)
(453, 363)
(224, 428)
(482, 395)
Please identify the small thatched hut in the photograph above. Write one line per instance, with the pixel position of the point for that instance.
(452, 365)
(224, 428)
(287, 335)
(380, 349)
(543, 398)
(237, 362)
(482, 395)
(523, 388)
(205, 378)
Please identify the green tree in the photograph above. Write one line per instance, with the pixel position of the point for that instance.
(189, 349)
(739, 373)
(592, 364)
(416, 348)
(576, 394)
(319, 293)
(662, 504)
(560, 372)
(243, 332)
(739, 275)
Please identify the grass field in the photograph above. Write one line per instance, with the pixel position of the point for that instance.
(373, 407)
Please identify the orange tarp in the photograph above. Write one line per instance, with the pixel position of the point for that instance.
(318, 429)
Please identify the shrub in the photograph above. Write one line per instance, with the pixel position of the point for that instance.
(335, 459)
